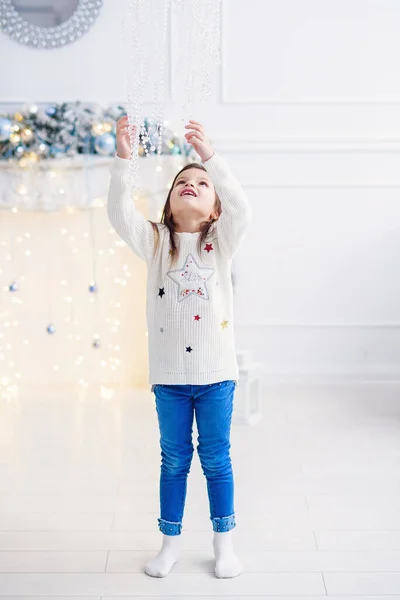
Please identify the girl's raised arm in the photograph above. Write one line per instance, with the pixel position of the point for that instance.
(236, 211)
(128, 222)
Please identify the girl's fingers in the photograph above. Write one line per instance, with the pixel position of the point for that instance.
(196, 130)
(197, 133)
(195, 126)
(122, 122)
(123, 128)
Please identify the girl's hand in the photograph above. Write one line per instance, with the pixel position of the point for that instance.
(123, 141)
(198, 140)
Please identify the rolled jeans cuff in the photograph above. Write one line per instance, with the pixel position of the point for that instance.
(169, 527)
(223, 523)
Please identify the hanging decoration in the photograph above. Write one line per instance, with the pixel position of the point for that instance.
(143, 21)
(197, 27)
(197, 31)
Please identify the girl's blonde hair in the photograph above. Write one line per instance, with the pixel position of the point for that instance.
(167, 218)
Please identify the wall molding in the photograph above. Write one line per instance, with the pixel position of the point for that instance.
(320, 186)
(295, 325)
(333, 378)
(307, 145)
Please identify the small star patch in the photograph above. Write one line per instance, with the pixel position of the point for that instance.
(224, 324)
(208, 247)
(197, 317)
(161, 292)
(188, 349)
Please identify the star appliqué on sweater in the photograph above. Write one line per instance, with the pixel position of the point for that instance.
(191, 279)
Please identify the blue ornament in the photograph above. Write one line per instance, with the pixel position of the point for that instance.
(50, 111)
(92, 287)
(175, 150)
(43, 149)
(51, 329)
(58, 149)
(5, 129)
(19, 151)
(13, 287)
(96, 342)
(105, 144)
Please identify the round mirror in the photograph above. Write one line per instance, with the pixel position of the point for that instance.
(45, 14)
(47, 23)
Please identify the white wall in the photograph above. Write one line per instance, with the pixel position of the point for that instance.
(86, 70)
(306, 110)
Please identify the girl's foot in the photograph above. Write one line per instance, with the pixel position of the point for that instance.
(226, 561)
(160, 565)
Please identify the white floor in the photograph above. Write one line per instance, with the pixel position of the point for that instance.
(317, 498)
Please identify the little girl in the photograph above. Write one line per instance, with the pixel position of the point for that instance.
(192, 360)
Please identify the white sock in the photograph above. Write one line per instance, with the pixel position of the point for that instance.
(226, 562)
(160, 565)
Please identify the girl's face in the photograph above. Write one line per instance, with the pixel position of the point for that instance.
(199, 204)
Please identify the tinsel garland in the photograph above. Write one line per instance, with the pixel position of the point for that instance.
(64, 130)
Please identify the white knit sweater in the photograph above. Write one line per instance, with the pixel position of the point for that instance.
(189, 304)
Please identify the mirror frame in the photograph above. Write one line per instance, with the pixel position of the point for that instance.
(27, 34)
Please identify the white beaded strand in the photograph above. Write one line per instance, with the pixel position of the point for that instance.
(160, 54)
(198, 32)
(142, 18)
(199, 26)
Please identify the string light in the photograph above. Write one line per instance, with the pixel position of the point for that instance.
(76, 335)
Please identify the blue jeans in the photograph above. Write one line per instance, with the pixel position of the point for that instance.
(175, 405)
